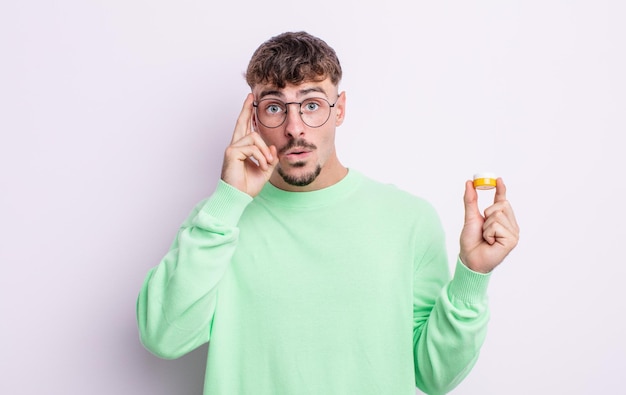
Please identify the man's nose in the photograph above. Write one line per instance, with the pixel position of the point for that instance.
(294, 126)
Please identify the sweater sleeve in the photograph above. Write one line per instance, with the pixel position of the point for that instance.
(450, 321)
(177, 301)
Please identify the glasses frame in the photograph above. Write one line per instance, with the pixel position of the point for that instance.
(330, 110)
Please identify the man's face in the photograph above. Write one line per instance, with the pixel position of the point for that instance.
(306, 154)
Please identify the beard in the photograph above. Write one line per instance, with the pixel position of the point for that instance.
(301, 180)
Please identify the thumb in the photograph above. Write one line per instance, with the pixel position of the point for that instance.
(272, 164)
(500, 195)
(470, 199)
(274, 152)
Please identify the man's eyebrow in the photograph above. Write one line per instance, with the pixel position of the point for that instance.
(268, 92)
(306, 91)
(301, 92)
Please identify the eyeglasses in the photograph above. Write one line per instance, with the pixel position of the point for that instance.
(314, 111)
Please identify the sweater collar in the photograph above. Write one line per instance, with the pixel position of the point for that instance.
(312, 199)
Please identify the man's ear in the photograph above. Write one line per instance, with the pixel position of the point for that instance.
(340, 107)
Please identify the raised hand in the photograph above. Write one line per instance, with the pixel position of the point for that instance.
(487, 240)
(239, 169)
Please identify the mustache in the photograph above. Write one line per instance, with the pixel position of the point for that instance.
(297, 143)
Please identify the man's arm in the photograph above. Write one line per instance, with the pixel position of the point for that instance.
(448, 338)
(176, 304)
(177, 300)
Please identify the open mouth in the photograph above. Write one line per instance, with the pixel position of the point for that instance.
(297, 147)
(297, 152)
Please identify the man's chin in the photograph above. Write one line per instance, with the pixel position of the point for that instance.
(299, 177)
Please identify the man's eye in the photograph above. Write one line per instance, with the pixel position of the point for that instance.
(274, 109)
(311, 106)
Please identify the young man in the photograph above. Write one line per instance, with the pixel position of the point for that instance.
(320, 281)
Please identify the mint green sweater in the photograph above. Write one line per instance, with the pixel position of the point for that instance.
(345, 290)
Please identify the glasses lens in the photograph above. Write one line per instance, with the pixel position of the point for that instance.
(315, 112)
(271, 113)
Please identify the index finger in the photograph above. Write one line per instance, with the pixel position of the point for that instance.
(242, 127)
(500, 195)
(470, 200)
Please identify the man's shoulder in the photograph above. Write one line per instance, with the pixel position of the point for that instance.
(391, 193)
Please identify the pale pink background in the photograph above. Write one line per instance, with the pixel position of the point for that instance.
(113, 120)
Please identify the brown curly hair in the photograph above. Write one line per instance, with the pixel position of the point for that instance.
(293, 58)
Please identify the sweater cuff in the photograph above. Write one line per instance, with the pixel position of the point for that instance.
(226, 204)
(467, 285)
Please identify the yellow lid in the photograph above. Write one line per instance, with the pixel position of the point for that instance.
(484, 180)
